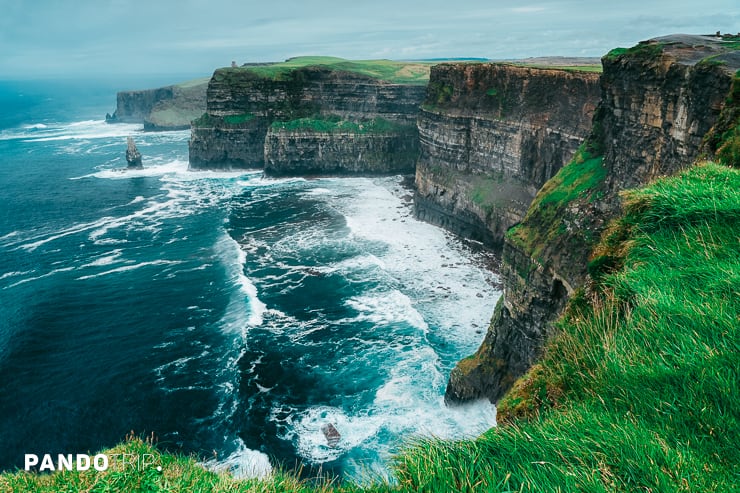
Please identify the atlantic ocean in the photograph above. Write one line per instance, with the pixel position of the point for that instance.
(231, 314)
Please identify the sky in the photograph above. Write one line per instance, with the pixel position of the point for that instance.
(54, 38)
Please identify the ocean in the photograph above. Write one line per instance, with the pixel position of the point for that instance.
(231, 314)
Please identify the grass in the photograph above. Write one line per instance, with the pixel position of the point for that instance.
(334, 124)
(580, 180)
(178, 473)
(207, 120)
(237, 119)
(638, 392)
(645, 49)
(387, 70)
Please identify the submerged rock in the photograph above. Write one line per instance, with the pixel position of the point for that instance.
(133, 156)
(332, 434)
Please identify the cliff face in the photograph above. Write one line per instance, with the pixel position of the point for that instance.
(491, 135)
(309, 152)
(163, 108)
(243, 105)
(658, 100)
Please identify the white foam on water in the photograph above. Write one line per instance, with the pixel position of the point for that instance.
(238, 313)
(15, 274)
(305, 429)
(127, 268)
(387, 308)
(447, 286)
(104, 260)
(122, 173)
(243, 463)
(43, 276)
(82, 130)
(429, 282)
(87, 130)
(318, 191)
(77, 228)
(9, 235)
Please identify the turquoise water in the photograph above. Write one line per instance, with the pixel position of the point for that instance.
(233, 315)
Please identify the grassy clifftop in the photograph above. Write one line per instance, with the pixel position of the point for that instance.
(387, 70)
(637, 393)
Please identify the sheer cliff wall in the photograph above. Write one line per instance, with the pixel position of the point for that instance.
(491, 135)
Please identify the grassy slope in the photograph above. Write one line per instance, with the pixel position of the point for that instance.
(334, 124)
(637, 393)
(388, 70)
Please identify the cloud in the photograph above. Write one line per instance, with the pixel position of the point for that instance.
(528, 10)
(48, 36)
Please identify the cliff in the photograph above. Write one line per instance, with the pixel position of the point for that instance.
(257, 117)
(658, 101)
(303, 147)
(164, 108)
(491, 135)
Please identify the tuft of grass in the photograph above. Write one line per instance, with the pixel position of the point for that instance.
(545, 221)
(647, 50)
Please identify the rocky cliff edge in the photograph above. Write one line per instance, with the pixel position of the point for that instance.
(663, 103)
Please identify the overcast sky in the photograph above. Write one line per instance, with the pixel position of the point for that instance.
(62, 37)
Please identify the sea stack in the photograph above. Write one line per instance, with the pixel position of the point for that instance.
(133, 156)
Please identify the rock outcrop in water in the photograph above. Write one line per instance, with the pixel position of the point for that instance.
(164, 108)
(491, 135)
(658, 101)
(309, 120)
(133, 156)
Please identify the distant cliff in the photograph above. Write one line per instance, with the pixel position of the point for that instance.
(659, 101)
(491, 135)
(312, 119)
(164, 108)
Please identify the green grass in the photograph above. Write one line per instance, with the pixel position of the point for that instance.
(207, 120)
(179, 474)
(387, 70)
(580, 180)
(645, 49)
(638, 392)
(334, 124)
(237, 119)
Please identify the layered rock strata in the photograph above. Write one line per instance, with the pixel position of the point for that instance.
(306, 152)
(243, 106)
(491, 135)
(658, 101)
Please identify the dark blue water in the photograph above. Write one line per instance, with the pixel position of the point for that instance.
(224, 312)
